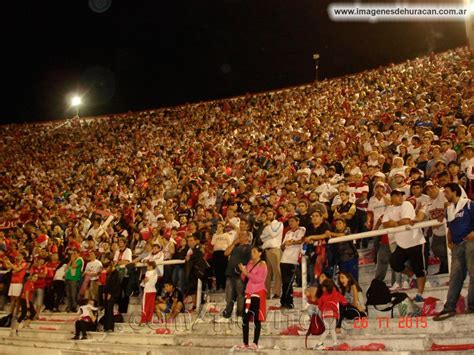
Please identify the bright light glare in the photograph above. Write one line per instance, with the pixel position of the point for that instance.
(76, 101)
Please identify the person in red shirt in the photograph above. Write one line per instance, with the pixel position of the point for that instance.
(26, 303)
(51, 267)
(39, 269)
(16, 283)
(328, 305)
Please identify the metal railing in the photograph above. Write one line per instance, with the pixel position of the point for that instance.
(369, 234)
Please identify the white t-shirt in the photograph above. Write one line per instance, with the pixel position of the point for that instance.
(221, 242)
(291, 253)
(126, 255)
(435, 209)
(272, 235)
(94, 267)
(158, 257)
(409, 238)
(377, 207)
(149, 286)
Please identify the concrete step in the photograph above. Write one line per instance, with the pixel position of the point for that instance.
(400, 342)
(209, 325)
(25, 347)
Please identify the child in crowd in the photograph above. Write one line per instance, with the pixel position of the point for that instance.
(172, 303)
(149, 292)
(345, 253)
(328, 305)
(354, 296)
(28, 311)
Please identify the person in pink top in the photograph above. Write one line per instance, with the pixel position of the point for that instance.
(255, 274)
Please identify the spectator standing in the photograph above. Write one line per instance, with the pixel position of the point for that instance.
(254, 275)
(410, 243)
(290, 259)
(238, 253)
(271, 237)
(73, 279)
(460, 219)
(220, 242)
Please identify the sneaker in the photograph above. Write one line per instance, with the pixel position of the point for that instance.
(405, 285)
(253, 347)
(241, 347)
(84, 337)
(395, 286)
(443, 315)
(319, 346)
(75, 337)
(418, 298)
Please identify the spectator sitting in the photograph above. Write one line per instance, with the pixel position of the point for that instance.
(87, 321)
(171, 304)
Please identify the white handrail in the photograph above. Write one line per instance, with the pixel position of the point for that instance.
(376, 233)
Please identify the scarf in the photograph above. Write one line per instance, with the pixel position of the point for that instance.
(453, 209)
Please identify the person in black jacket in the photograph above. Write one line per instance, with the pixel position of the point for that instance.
(195, 267)
(111, 294)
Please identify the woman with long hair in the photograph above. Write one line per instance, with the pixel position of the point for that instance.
(255, 274)
(352, 292)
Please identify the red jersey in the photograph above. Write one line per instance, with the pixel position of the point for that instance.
(51, 267)
(17, 277)
(29, 287)
(41, 281)
(329, 304)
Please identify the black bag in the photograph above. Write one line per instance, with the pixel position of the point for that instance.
(6, 322)
(379, 294)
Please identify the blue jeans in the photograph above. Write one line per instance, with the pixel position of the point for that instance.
(462, 262)
(178, 277)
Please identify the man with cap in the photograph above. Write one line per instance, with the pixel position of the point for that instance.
(400, 183)
(410, 243)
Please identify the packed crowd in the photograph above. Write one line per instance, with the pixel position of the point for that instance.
(90, 208)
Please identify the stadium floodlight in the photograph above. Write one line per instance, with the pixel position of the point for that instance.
(76, 101)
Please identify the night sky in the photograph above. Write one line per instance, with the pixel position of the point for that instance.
(142, 54)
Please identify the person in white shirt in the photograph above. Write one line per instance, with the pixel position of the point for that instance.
(220, 242)
(92, 271)
(289, 260)
(156, 256)
(123, 257)
(410, 243)
(149, 292)
(271, 237)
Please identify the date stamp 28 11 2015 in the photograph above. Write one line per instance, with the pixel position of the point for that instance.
(400, 323)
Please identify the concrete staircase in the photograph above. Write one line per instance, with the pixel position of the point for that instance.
(193, 333)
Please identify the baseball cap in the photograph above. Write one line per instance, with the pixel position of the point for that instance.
(397, 192)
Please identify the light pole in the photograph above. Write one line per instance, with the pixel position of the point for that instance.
(76, 102)
(316, 66)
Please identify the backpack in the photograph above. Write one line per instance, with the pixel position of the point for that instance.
(379, 294)
(6, 322)
(316, 327)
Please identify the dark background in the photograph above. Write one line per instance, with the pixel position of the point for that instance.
(143, 54)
